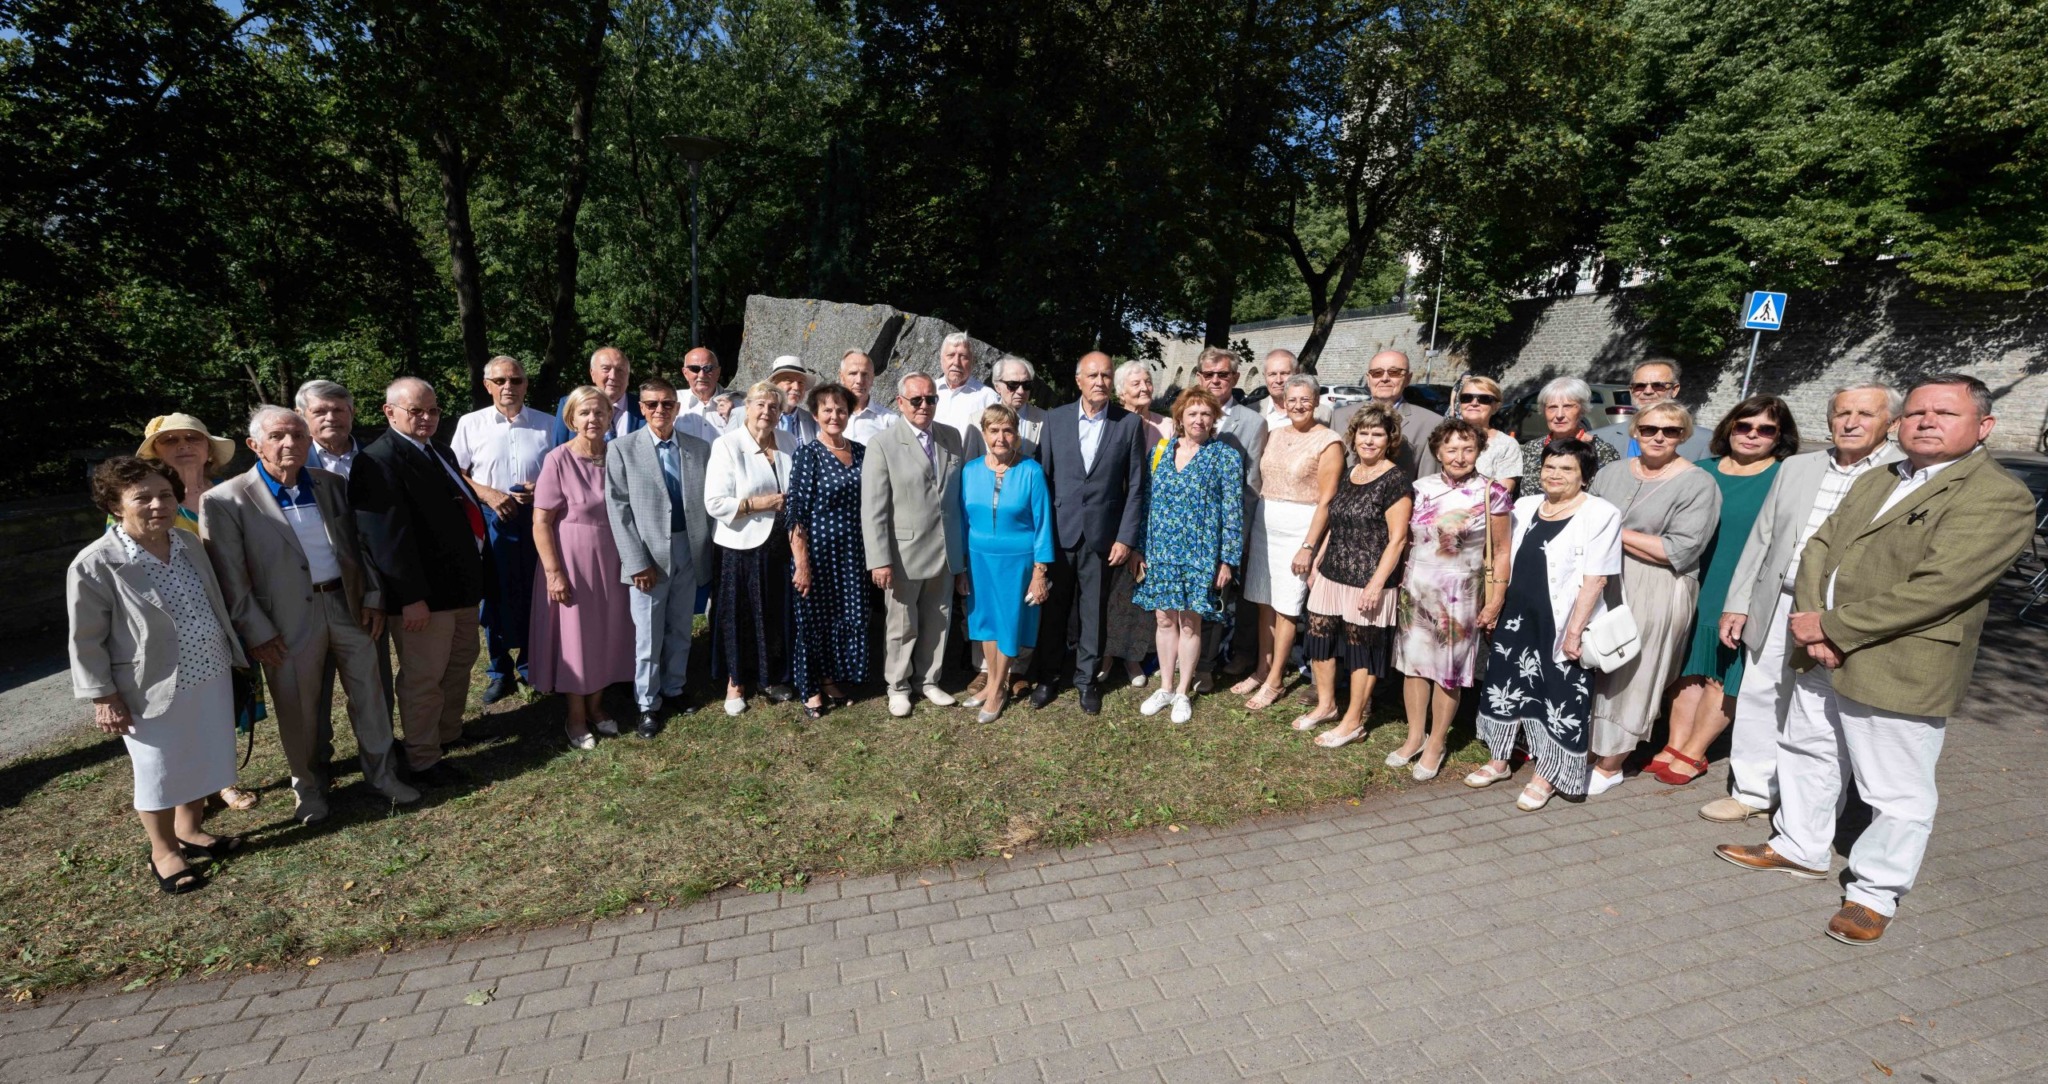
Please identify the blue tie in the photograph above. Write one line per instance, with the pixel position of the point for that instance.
(665, 451)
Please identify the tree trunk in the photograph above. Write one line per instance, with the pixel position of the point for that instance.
(563, 331)
(463, 267)
(1222, 301)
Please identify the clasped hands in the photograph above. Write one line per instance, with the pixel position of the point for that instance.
(1806, 629)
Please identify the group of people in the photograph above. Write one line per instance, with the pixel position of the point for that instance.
(1220, 536)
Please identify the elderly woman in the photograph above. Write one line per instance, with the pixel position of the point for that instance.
(581, 635)
(1567, 544)
(833, 595)
(1477, 398)
(1352, 596)
(1668, 511)
(1748, 445)
(1194, 533)
(1130, 631)
(1457, 576)
(744, 489)
(1008, 512)
(1298, 475)
(1564, 402)
(151, 647)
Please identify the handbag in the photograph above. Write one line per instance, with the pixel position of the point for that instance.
(1611, 641)
(247, 685)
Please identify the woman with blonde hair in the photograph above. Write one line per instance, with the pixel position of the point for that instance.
(1298, 475)
(744, 491)
(1476, 399)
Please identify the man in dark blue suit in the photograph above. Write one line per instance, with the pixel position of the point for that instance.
(612, 374)
(1093, 452)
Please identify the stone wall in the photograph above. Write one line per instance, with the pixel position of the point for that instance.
(1879, 329)
(820, 332)
(38, 539)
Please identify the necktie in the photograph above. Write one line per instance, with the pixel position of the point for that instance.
(669, 481)
(924, 441)
(470, 510)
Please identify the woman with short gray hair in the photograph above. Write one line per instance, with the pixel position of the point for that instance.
(1564, 403)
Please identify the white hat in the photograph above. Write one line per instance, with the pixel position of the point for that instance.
(790, 363)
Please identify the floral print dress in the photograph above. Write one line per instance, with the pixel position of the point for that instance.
(1446, 581)
(1530, 694)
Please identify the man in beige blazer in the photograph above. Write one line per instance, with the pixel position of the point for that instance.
(1890, 601)
(282, 541)
(916, 544)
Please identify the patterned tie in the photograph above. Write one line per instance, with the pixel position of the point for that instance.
(924, 441)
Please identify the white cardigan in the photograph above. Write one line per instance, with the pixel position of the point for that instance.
(737, 471)
(1589, 545)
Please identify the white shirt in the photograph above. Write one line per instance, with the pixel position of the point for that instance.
(503, 452)
(1501, 460)
(699, 417)
(869, 421)
(1091, 433)
(961, 407)
(310, 527)
(336, 464)
(1834, 485)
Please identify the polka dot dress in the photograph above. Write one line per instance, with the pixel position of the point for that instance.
(187, 751)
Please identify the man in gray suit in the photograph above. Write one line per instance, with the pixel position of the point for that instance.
(1244, 429)
(282, 540)
(1653, 382)
(1387, 376)
(654, 496)
(1807, 490)
(916, 543)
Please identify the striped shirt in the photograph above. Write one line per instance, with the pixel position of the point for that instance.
(1834, 485)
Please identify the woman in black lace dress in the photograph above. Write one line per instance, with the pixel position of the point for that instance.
(1353, 591)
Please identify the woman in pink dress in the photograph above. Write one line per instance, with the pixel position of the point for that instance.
(582, 634)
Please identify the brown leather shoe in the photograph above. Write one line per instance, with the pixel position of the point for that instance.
(1761, 856)
(1856, 924)
(979, 683)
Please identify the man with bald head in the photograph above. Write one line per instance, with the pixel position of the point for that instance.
(1387, 375)
(423, 535)
(1093, 453)
(698, 415)
(611, 372)
(857, 375)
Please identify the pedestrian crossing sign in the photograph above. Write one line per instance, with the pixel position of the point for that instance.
(1763, 311)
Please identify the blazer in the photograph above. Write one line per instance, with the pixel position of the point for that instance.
(415, 535)
(261, 565)
(737, 470)
(910, 505)
(1588, 545)
(1095, 509)
(805, 426)
(1910, 588)
(1775, 534)
(122, 639)
(636, 501)
(634, 423)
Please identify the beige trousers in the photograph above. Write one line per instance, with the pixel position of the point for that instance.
(920, 615)
(338, 639)
(433, 680)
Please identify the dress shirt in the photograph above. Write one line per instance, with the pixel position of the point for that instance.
(699, 417)
(869, 421)
(303, 513)
(503, 452)
(1091, 426)
(461, 487)
(961, 407)
(1834, 485)
(672, 480)
(622, 420)
(336, 464)
(924, 441)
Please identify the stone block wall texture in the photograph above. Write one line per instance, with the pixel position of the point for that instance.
(821, 332)
(1876, 329)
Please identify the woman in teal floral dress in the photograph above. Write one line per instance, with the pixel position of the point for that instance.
(1194, 538)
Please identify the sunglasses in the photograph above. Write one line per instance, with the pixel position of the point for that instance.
(1219, 374)
(657, 404)
(1478, 397)
(503, 380)
(1382, 374)
(1654, 385)
(1668, 432)
(1763, 429)
(697, 368)
(920, 400)
(1013, 385)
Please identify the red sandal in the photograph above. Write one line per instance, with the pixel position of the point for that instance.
(1665, 775)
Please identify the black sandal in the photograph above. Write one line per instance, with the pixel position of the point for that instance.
(220, 848)
(179, 883)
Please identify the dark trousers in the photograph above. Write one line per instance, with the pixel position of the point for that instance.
(508, 605)
(1075, 615)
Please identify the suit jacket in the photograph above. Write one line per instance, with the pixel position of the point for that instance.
(1911, 587)
(1245, 429)
(261, 564)
(803, 426)
(415, 535)
(636, 500)
(1417, 423)
(910, 504)
(1775, 534)
(123, 640)
(636, 421)
(1096, 508)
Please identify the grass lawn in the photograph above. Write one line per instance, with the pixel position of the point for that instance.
(545, 835)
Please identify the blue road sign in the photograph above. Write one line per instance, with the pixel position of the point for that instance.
(1763, 311)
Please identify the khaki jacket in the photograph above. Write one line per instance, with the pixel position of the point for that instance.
(261, 566)
(1911, 587)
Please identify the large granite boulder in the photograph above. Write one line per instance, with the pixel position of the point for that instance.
(820, 332)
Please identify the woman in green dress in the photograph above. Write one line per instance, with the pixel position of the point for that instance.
(1746, 448)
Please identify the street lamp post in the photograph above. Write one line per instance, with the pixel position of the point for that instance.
(696, 150)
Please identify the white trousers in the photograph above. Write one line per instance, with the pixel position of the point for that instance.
(661, 629)
(1893, 758)
(1760, 709)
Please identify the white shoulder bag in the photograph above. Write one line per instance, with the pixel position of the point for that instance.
(1611, 640)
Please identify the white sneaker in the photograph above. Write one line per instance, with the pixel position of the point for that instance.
(1138, 680)
(735, 705)
(1597, 784)
(939, 696)
(1183, 710)
(1156, 703)
(899, 705)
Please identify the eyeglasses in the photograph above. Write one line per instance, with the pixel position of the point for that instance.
(1478, 397)
(920, 400)
(697, 368)
(1762, 429)
(657, 404)
(1668, 432)
(1218, 374)
(1382, 374)
(430, 412)
(1013, 385)
(1651, 385)
(515, 381)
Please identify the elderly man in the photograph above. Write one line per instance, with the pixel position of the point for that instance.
(793, 380)
(282, 539)
(1808, 489)
(499, 450)
(699, 415)
(962, 398)
(909, 495)
(1244, 429)
(424, 538)
(857, 375)
(1654, 381)
(611, 372)
(1386, 376)
(1891, 598)
(1013, 376)
(1093, 454)
(654, 495)
(330, 412)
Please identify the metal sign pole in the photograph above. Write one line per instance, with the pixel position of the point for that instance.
(1754, 339)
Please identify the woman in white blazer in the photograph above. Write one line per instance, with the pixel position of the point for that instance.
(744, 485)
(1566, 545)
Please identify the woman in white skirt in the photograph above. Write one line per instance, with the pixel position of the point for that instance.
(1299, 471)
(152, 648)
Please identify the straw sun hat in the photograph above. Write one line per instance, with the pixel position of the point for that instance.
(223, 448)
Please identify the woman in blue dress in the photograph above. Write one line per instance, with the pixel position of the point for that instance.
(831, 577)
(1008, 513)
(1194, 538)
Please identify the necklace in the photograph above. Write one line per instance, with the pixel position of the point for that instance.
(1549, 511)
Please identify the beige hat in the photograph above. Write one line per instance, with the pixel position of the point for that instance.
(223, 448)
(790, 363)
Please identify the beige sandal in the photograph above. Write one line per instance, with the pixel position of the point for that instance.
(1266, 698)
(237, 798)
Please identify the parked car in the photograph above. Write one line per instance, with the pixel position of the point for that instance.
(1436, 397)
(1342, 395)
(1524, 415)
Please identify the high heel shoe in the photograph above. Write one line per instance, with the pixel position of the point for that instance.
(1424, 775)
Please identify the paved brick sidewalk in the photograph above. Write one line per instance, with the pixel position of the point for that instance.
(1431, 935)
